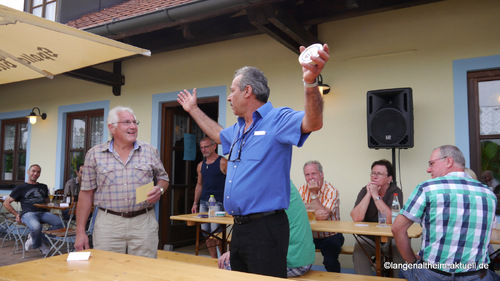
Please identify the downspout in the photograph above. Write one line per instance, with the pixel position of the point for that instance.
(168, 15)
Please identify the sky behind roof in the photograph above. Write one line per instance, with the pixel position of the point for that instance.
(16, 4)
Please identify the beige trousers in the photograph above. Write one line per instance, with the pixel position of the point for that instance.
(135, 236)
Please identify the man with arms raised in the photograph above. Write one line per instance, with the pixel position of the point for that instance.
(260, 146)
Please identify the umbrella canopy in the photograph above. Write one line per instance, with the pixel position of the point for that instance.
(33, 47)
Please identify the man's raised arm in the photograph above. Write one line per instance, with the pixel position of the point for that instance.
(313, 118)
(207, 125)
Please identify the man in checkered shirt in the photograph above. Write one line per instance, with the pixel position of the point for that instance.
(457, 214)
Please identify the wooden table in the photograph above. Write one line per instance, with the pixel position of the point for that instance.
(495, 236)
(104, 265)
(381, 234)
(195, 220)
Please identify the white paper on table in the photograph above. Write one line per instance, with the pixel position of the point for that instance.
(142, 191)
(360, 224)
(78, 256)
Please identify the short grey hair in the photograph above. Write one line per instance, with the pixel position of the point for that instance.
(453, 152)
(318, 165)
(113, 114)
(212, 142)
(254, 77)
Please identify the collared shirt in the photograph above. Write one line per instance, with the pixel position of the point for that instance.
(115, 182)
(456, 214)
(329, 198)
(259, 181)
(72, 187)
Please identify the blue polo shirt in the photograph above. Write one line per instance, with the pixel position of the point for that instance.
(258, 171)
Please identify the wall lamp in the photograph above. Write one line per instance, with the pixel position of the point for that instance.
(323, 88)
(33, 116)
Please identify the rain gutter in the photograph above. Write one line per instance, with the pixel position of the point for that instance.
(169, 15)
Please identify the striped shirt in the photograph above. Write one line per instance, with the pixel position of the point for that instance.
(115, 182)
(456, 214)
(329, 198)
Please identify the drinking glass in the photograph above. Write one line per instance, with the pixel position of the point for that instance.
(382, 219)
(51, 196)
(311, 215)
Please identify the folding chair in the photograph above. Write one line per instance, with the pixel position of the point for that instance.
(59, 237)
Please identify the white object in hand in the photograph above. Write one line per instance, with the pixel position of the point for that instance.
(312, 50)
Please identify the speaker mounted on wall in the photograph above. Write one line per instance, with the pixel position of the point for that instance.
(390, 118)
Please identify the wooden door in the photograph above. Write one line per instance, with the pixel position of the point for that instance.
(182, 173)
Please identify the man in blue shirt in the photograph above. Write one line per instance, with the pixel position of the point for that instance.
(260, 146)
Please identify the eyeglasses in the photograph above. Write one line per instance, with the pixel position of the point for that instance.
(373, 174)
(206, 146)
(242, 143)
(434, 161)
(128, 123)
(240, 139)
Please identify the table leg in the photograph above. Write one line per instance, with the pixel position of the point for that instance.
(198, 226)
(378, 256)
(224, 240)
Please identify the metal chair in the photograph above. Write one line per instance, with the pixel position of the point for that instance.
(63, 236)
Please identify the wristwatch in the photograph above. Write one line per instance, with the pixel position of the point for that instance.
(314, 196)
(378, 198)
(162, 190)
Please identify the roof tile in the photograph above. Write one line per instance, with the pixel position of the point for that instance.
(123, 11)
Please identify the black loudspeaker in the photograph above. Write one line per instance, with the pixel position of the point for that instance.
(390, 118)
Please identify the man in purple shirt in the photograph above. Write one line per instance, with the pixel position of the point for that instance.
(260, 147)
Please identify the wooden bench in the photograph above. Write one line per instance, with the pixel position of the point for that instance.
(345, 250)
(311, 275)
(176, 256)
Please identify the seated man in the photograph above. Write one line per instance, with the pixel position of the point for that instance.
(376, 195)
(456, 214)
(29, 193)
(301, 252)
(321, 196)
(72, 188)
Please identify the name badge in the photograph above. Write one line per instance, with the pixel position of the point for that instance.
(259, 133)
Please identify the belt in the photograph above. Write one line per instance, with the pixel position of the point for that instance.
(129, 214)
(468, 273)
(256, 216)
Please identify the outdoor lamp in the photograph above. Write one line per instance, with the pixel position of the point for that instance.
(33, 116)
(323, 88)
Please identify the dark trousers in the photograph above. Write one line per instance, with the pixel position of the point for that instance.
(330, 249)
(260, 246)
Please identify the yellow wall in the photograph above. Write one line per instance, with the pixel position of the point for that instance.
(412, 47)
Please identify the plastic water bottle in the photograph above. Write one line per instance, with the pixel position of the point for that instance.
(212, 206)
(395, 207)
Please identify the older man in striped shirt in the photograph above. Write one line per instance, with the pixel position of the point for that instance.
(321, 196)
(457, 214)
